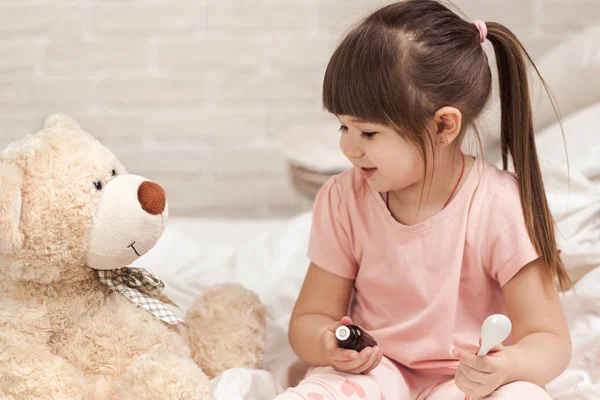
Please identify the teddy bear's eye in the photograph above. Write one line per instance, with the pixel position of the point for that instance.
(113, 172)
(98, 185)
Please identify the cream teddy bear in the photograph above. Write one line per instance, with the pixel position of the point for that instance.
(75, 322)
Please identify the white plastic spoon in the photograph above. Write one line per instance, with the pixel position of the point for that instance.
(495, 330)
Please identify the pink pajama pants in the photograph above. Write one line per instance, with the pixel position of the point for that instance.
(388, 381)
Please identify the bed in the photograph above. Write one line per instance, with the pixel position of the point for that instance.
(268, 256)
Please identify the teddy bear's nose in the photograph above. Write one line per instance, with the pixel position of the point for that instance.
(152, 197)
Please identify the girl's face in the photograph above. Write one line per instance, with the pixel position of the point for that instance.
(384, 158)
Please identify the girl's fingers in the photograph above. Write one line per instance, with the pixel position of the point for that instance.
(474, 375)
(479, 363)
(368, 362)
(342, 355)
(363, 356)
(375, 364)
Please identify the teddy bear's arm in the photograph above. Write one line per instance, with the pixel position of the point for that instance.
(28, 368)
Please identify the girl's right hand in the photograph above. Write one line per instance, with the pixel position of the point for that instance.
(345, 360)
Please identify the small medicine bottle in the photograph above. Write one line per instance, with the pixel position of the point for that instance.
(353, 338)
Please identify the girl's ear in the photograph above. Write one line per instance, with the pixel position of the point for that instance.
(448, 122)
(11, 237)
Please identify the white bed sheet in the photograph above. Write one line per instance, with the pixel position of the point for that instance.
(269, 258)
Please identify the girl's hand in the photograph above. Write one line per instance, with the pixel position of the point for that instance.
(345, 360)
(479, 376)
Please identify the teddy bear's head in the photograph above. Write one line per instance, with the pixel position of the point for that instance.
(68, 207)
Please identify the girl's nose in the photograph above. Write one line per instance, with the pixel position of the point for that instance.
(350, 147)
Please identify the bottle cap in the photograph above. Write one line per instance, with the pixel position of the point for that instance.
(342, 333)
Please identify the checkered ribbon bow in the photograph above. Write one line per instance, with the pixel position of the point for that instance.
(138, 285)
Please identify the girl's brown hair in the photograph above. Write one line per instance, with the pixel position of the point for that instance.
(409, 59)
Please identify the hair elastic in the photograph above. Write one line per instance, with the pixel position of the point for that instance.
(482, 28)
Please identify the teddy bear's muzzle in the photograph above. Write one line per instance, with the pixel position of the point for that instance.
(131, 217)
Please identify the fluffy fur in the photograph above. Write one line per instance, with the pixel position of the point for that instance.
(63, 334)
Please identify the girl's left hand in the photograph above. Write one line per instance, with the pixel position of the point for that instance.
(479, 376)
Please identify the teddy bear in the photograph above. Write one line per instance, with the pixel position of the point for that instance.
(76, 320)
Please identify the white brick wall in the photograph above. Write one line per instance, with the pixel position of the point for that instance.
(193, 92)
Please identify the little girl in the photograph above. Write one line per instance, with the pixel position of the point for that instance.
(419, 243)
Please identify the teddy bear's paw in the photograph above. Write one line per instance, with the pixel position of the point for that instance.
(226, 329)
(162, 376)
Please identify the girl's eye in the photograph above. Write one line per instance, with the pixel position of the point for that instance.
(343, 128)
(368, 135)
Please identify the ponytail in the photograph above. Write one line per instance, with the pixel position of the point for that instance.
(517, 138)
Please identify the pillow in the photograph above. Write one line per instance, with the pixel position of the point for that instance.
(582, 137)
(572, 70)
(575, 199)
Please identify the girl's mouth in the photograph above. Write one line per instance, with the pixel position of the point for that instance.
(367, 172)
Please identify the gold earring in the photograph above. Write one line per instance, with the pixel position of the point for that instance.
(440, 140)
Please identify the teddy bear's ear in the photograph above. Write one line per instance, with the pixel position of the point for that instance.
(61, 121)
(11, 237)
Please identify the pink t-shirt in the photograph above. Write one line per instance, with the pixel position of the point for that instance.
(425, 289)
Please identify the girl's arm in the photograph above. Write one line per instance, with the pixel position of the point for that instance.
(542, 348)
(323, 300)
